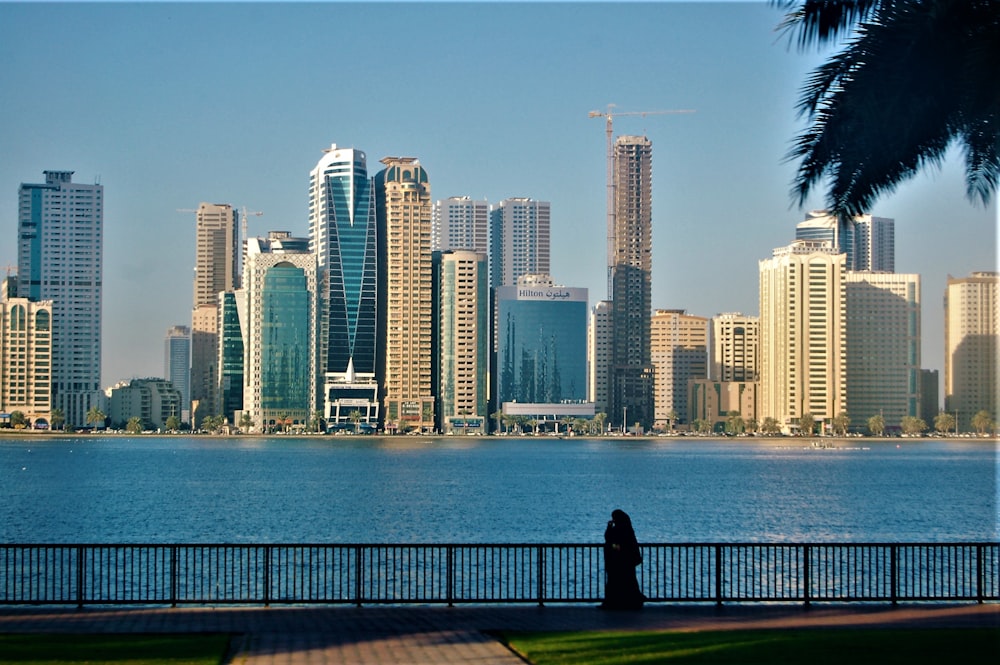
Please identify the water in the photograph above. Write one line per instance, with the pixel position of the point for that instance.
(469, 490)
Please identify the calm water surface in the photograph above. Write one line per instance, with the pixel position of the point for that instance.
(407, 489)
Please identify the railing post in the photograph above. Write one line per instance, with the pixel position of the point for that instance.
(79, 576)
(893, 573)
(267, 575)
(358, 574)
(980, 573)
(718, 575)
(541, 575)
(174, 572)
(807, 581)
(450, 586)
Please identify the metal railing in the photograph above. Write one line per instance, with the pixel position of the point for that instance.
(359, 574)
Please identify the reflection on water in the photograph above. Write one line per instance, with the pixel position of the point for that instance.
(471, 489)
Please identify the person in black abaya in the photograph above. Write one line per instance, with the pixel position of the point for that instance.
(621, 557)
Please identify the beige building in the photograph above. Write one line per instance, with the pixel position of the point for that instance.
(403, 207)
(216, 252)
(882, 337)
(463, 342)
(735, 348)
(971, 334)
(216, 255)
(802, 318)
(712, 401)
(679, 351)
(26, 360)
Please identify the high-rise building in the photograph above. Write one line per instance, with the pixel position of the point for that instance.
(177, 366)
(231, 353)
(875, 243)
(519, 240)
(216, 265)
(60, 258)
(26, 360)
(216, 252)
(403, 208)
(869, 242)
(882, 337)
(679, 351)
(735, 348)
(343, 235)
(463, 342)
(460, 222)
(802, 351)
(542, 354)
(972, 344)
(204, 362)
(599, 355)
(631, 393)
(281, 356)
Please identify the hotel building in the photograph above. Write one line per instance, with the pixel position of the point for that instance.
(541, 369)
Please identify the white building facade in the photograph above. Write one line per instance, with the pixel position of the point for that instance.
(802, 321)
(460, 222)
(60, 259)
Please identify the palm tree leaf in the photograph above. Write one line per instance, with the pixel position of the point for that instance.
(901, 91)
(820, 21)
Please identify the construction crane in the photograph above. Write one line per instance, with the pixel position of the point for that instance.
(609, 115)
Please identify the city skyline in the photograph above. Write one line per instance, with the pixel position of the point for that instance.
(491, 124)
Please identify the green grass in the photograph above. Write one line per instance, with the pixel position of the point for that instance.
(36, 649)
(760, 647)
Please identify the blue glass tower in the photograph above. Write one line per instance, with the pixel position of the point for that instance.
(542, 343)
(342, 234)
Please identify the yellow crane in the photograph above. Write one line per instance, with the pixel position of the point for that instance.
(609, 115)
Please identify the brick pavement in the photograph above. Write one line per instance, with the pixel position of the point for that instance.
(419, 635)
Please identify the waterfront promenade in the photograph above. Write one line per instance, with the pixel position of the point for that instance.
(425, 635)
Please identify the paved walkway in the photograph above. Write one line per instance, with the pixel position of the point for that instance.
(426, 635)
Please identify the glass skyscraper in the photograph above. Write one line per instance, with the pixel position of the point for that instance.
(231, 357)
(342, 234)
(177, 366)
(542, 342)
(280, 374)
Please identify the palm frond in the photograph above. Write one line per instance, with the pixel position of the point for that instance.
(821, 21)
(900, 92)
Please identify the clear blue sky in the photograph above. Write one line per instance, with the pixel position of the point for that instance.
(169, 105)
